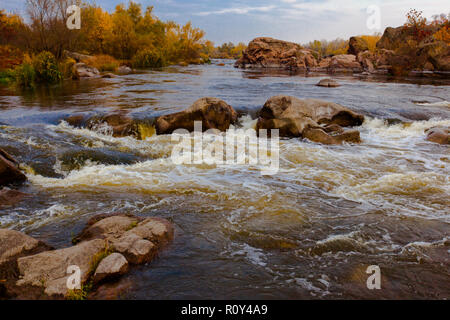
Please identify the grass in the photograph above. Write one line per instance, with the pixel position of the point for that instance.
(103, 62)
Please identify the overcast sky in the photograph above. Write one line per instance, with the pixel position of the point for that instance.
(294, 20)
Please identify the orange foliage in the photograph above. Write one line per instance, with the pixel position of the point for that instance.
(10, 57)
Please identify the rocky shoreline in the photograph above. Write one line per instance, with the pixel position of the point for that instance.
(428, 58)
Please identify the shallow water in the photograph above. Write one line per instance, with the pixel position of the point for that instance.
(308, 232)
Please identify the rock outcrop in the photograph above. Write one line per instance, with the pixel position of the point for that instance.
(344, 63)
(439, 135)
(357, 45)
(214, 113)
(328, 83)
(272, 53)
(317, 120)
(103, 251)
(9, 170)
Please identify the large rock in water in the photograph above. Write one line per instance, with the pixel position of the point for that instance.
(317, 120)
(85, 71)
(344, 63)
(214, 113)
(272, 53)
(9, 170)
(439, 135)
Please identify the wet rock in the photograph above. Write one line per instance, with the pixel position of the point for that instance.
(120, 125)
(272, 53)
(112, 266)
(357, 45)
(108, 75)
(124, 70)
(107, 227)
(317, 120)
(14, 244)
(9, 170)
(344, 63)
(214, 113)
(137, 239)
(135, 249)
(328, 83)
(76, 121)
(10, 197)
(111, 291)
(85, 71)
(439, 135)
(48, 270)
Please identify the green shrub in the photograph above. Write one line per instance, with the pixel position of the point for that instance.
(67, 68)
(148, 58)
(25, 75)
(7, 76)
(46, 68)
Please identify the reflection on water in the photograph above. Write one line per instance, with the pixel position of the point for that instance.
(308, 232)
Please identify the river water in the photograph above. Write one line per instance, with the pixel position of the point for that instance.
(308, 232)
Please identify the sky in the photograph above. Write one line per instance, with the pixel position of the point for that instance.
(300, 21)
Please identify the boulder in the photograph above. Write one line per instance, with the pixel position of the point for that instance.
(85, 71)
(344, 63)
(376, 62)
(108, 75)
(272, 53)
(214, 113)
(120, 125)
(137, 239)
(9, 170)
(439, 135)
(357, 45)
(124, 70)
(14, 244)
(48, 270)
(112, 266)
(317, 120)
(10, 197)
(328, 83)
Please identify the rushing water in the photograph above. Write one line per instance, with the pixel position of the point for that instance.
(308, 232)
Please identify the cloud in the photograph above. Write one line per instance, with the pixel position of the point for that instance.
(238, 10)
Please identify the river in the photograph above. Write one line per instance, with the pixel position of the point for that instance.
(308, 232)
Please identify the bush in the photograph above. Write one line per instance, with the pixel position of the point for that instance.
(46, 68)
(67, 68)
(103, 62)
(148, 58)
(7, 76)
(25, 74)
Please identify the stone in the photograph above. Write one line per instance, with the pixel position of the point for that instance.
(272, 53)
(85, 71)
(328, 83)
(439, 135)
(9, 170)
(134, 248)
(112, 266)
(124, 70)
(344, 63)
(9, 197)
(78, 57)
(214, 113)
(120, 124)
(317, 120)
(357, 45)
(108, 75)
(48, 269)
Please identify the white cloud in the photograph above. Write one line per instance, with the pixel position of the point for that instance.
(238, 10)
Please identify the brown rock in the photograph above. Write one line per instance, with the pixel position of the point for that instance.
(121, 125)
(272, 53)
(75, 120)
(112, 266)
(439, 135)
(212, 112)
(9, 170)
(10, 197)
(48, 270)
(134, 248)
(309, 119)
(357, 45)
(345, 63)
(85, 71)
(328, 83)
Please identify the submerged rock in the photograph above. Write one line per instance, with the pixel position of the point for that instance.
(9, 170)
(319, 121)
(439, 135)
(120, 124)
(328, 83)
(10, 197)
(273, 53)
(214, 113)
